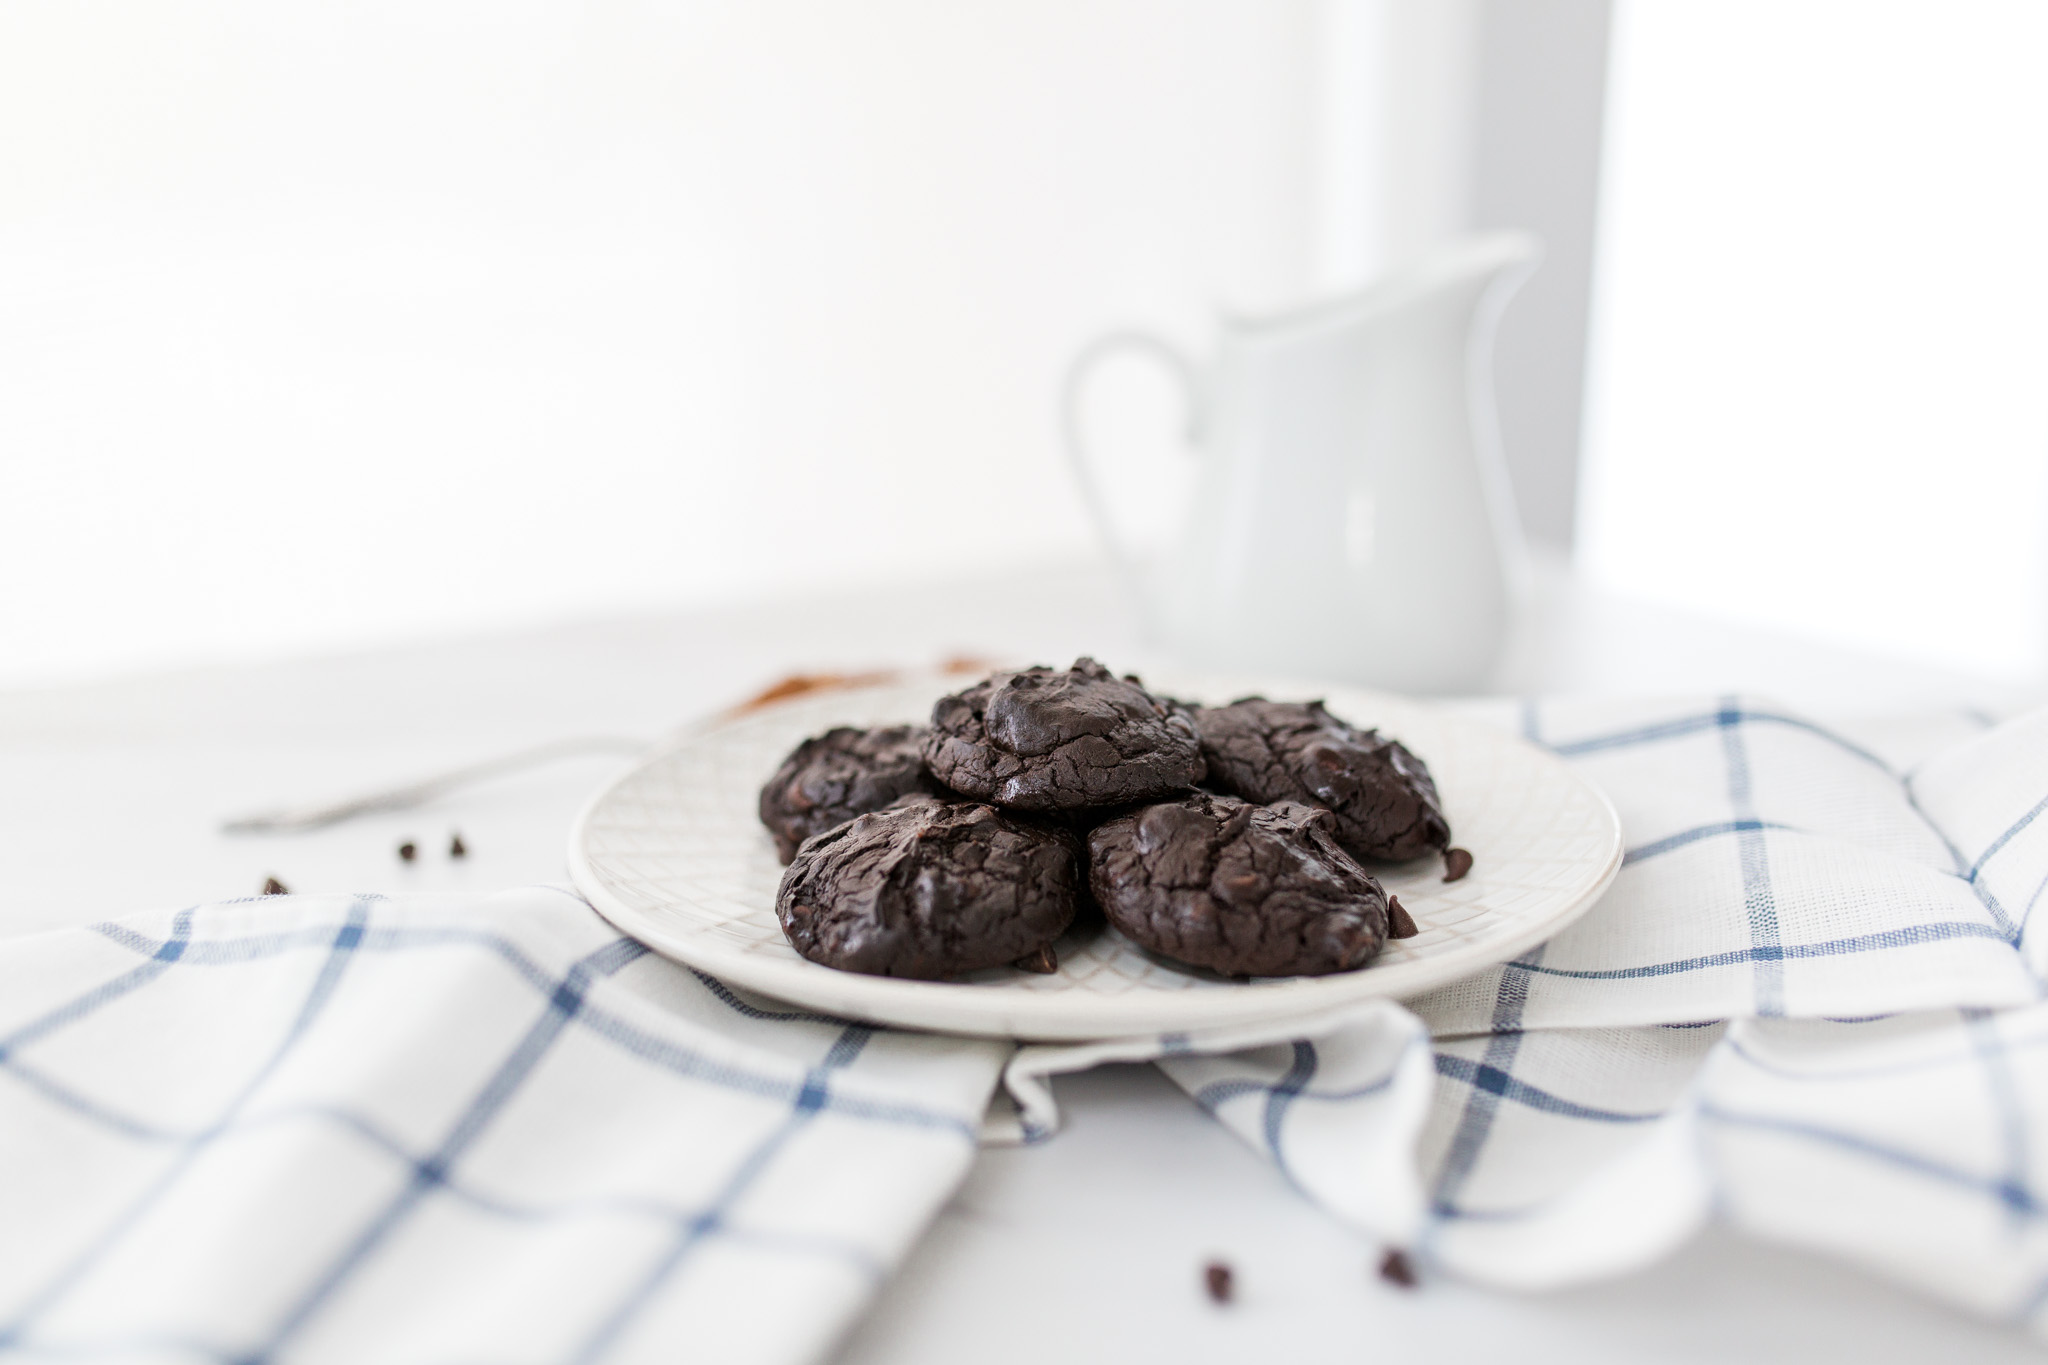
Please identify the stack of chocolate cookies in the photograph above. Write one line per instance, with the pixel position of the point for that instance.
(1230, 838)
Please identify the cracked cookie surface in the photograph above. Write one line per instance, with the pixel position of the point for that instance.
(830, 778)
(1045, 739)
(1382, 796)
(928, 889)
(1243, 889)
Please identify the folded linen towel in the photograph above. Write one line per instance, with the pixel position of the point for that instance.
(455, 1128)
(1671, 1057)
(1774, 868)
(445, 1128)
(1909, 1144)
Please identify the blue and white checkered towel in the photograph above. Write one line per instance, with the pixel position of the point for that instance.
(1808, 1006)
(441, 1129)
(437, 1129)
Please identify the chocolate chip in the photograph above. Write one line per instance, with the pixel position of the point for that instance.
(273, 887)
(1043, 962)
(456, 848)
(1400, 924)
(406, 852)
(1457, 862)
(1394, 1269)
(1216, 1277)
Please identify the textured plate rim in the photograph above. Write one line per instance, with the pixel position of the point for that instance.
(986, 1009)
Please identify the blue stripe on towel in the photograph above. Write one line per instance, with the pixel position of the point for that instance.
(344, 940)
(1758, 899)
(566, 1005)
(2018, 1198)
(1475, 1124)
(565, 1001)
(1909, 936)
(812, 1098)
(1684, 838)
(1495, 1081)
(1733, 712)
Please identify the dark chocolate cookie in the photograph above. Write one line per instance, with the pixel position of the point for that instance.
(1241, 889)
(1385, 803)
(842, 773)
(929, 888)
(1051, 739)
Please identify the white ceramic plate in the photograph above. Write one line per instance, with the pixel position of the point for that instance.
(673, 854)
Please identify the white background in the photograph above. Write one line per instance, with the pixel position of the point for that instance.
(1819, 393)
(323, 325)
(329, 326)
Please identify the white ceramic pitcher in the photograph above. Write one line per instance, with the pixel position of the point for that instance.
(1351, 517)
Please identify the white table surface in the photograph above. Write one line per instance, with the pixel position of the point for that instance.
(1086, 1248)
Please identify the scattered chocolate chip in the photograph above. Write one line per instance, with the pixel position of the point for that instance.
(406, 852)
(1216, 1277)
(1457, 862)
(456, 848)
(273, 887)
(1043, 962)
(1400, 924)
(1394, 1269)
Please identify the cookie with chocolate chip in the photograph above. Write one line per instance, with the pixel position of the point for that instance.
(1239, 888)
(1382, 797)
(929, 888)
(830, 778)
(1046, 739)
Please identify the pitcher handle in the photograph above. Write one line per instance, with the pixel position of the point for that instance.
(1078, 454)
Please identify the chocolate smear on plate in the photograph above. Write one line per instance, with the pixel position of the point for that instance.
(803, 684)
